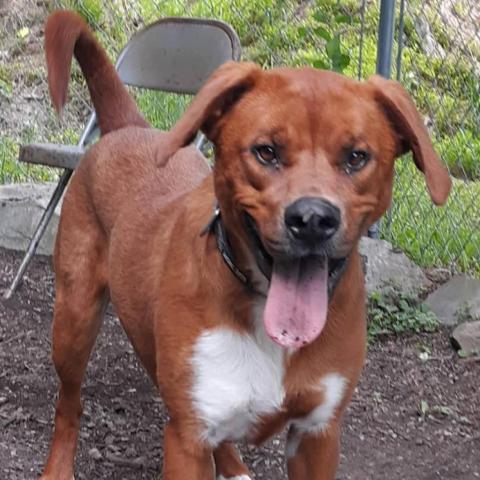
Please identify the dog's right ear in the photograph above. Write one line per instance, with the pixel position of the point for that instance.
(224, 87)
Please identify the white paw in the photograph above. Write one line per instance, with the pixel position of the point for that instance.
(236, 477)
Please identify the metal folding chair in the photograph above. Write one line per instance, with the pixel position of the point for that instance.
(173, 55)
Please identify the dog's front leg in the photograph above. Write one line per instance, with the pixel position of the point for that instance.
(313, 456)
(185, 459)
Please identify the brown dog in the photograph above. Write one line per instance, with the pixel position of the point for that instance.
(259, 322)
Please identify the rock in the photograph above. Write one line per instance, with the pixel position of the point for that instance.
(21, 206)
(438, 275)
(466, 338)
(385, 265)
(95, 453)
(428, 42)
(456, 300)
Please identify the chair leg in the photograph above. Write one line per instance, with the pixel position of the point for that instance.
(37, 236)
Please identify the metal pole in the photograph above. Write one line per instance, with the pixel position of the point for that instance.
(384, 61)
(385, 38)
(398, 74)
(401, 27)
(362, 39)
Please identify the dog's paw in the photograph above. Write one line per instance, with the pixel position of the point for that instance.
(48, 477)
(236, 477)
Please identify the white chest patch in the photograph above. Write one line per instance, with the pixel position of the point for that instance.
(237, 378)
(333, 387)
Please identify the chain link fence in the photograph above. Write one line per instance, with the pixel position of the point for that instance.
(436, 56)
(440, 67)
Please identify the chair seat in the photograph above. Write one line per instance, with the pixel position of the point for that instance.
(52, 155)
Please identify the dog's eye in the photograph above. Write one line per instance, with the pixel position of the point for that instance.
(266, 155)
(356, 160)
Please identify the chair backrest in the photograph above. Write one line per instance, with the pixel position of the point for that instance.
(177, 54)
(173, 55)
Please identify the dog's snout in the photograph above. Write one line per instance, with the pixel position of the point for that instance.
(312, 219)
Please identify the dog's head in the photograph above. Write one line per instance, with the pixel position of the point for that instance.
(303, 166)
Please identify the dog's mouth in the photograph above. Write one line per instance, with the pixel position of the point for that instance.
(298, 296)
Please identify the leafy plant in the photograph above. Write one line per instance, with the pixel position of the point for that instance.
(394, 312)
(329, 28)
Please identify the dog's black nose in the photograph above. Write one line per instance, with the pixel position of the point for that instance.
(312, 219)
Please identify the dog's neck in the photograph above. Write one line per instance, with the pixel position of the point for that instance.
(244, 264)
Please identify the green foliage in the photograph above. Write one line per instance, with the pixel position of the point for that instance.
(447, 90)
(90, 10)
(328, 25)
(324, 34)
(461, 153)
(6, 88)
(394, 312)
(6, 81)
(461, 8)
(162, 110)
(8, 156)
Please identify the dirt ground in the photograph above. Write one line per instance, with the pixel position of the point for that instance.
(411, 419)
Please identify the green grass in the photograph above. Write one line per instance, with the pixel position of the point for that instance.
(461, 152)
(11, 171)
(6, 81)
(162, 110)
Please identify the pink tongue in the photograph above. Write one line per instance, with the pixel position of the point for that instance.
(297, 302)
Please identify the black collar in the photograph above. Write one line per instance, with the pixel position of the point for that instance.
(215, 225)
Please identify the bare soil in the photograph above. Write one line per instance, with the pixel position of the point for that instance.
(410, 419)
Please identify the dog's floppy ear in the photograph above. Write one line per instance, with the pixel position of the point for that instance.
(412, 135)
(224, 87)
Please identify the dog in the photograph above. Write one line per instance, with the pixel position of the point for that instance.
(241, 288)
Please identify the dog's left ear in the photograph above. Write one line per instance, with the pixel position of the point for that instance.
(224, 87)
(412, 135)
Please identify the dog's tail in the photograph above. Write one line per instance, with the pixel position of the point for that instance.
(67, 34)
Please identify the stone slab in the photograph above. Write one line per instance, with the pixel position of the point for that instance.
(456, 298)
(21, 206)
(466, 338)
(386, 265)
